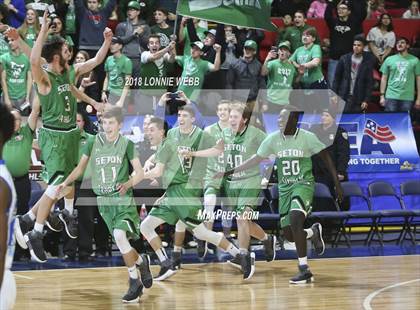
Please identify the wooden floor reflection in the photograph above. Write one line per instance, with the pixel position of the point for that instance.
(347, 283)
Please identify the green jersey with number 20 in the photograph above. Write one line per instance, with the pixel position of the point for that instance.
(293, 156)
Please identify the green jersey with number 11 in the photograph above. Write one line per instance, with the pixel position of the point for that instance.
(293, 156)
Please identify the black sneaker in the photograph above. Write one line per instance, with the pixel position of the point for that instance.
(201, 248)
(317, 240)
(304, 276)
(166, 270)
(236, 262)
(176, 260)
(145, 273)
(54, 223)
(23, 224)
(248, 264)
(135, 290)
(69, 222)
(270, 248)
(36, 247)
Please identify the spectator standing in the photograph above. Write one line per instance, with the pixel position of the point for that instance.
(118, 68)
(400, 73)
(245, 34)
(413, 10)
(339, 148)
(195, 68)
(353, 80)
(57, 28)
(244, 75)
(282, 75)
(162, 28)
(184, 37)
(16, 78)
(30, 27)
(317, 9)
(342, 28)
(381, 38)
(93, 21)
(294, 33)
(17, 12)
(155, 64)
(379, 10)
(134, 33)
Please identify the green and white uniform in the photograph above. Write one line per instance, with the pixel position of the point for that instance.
(294, 169)
(303, 55)
(214, 164)
(59, 136)
(183, 177)
(243, 188)
(152, 73)
(110, 162)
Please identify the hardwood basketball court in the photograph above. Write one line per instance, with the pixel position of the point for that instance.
(384, 282)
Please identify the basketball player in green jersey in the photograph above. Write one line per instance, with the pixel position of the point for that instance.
(241, 142)
(56, 92)
(293, 148)
(110, 155)
(183, 179)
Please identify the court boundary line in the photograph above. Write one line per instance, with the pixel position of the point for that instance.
(21, 276)
(192, 264)
(371, 296)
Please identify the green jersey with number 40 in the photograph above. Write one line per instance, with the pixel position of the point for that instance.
(293, 156)
(110, 162)
(241, 146)
(180, 169)
(59, 107)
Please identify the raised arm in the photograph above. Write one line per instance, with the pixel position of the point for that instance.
(89, 65)
(33, 117)
(39, 76)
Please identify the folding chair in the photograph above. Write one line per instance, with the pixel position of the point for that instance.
(358, 217)
(388, 214)
(322, 191)
(411, 189)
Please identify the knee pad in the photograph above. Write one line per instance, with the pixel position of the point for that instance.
(148, 226)
(180, 227)
(202, 233)
(121, 240)
(51, 192)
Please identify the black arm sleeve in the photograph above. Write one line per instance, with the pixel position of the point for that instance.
(192, 33)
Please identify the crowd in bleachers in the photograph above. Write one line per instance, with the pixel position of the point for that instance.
(351, 47)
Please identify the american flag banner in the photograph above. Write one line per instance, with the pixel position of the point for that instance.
(380, 133)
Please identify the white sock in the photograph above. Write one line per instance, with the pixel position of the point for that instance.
(243, 251)
(303, 261)
(139, 260)
(177, 248)
(39, 227)
(132, 272)
(265, 237)
(31, 215)
(69, 205)
(161, 254)
(232, 250)
(309, 233)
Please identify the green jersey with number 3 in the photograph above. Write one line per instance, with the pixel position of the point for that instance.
(241, 146)
(59, 107)
(293, 156)
(110, 162)
(180, 169)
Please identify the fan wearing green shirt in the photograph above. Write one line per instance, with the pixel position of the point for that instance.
(400, 73)
(16, 78)
(292, 148)
(282, 75)
(195, 69)
(118, 68)
(184, 37)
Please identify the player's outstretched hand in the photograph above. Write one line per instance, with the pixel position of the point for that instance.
(185, 153)
(12, 34)
(108, 34)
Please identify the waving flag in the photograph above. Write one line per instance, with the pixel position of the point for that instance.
(244, 13)
(382, 134)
